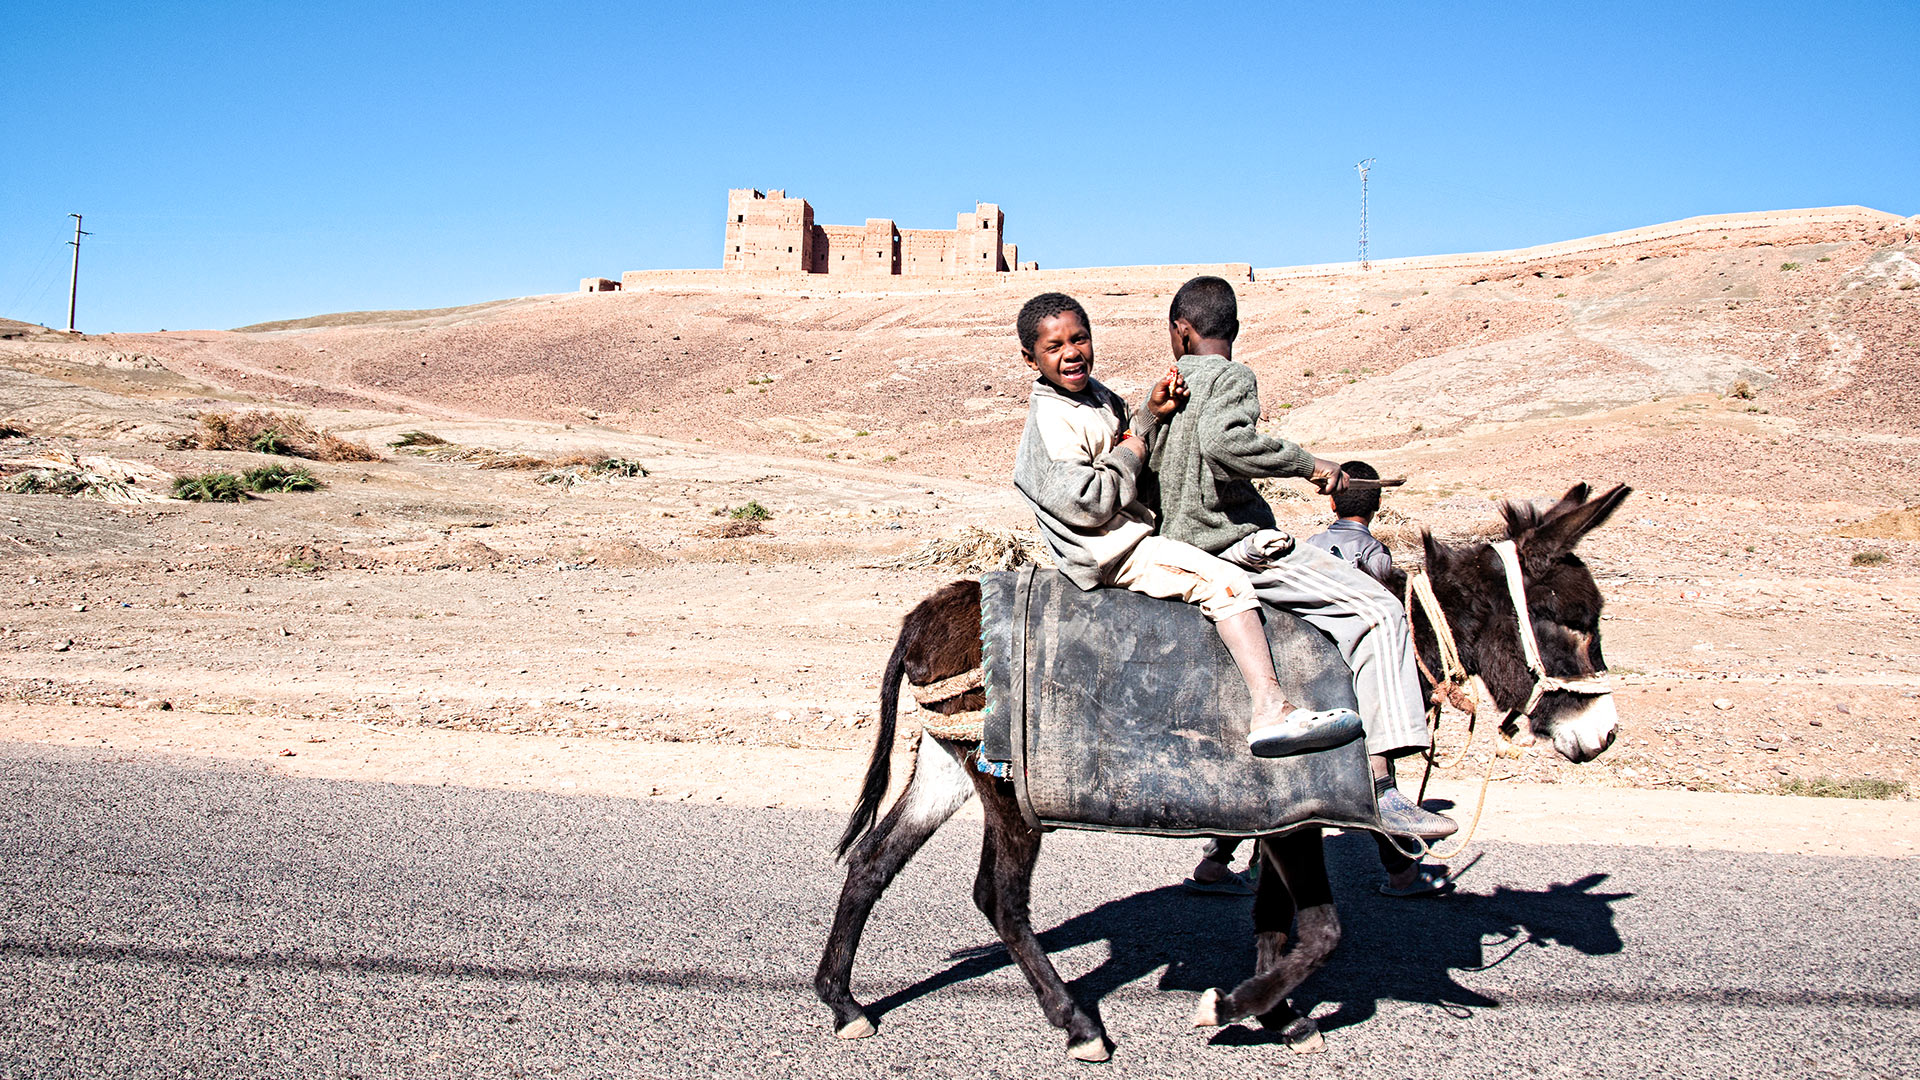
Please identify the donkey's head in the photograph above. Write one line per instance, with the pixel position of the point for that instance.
(1563, 606)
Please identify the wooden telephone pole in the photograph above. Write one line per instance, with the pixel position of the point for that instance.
(73, 284)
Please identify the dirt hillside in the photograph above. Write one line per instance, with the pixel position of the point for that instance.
(1755, 383)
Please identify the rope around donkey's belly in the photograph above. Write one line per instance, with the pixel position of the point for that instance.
(959, 727)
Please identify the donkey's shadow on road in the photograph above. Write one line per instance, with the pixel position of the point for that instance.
(1390, 949)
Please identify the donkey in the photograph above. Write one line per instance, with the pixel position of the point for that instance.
(940, 639)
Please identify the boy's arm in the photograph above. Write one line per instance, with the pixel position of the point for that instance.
(1079, 490)
(1230, 439)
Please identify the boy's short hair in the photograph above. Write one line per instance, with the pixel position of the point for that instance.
(1208, 304)
(1358, 502)
(1041, 308)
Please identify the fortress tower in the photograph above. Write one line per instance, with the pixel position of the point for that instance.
(767, 232)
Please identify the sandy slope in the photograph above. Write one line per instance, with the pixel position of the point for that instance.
(413, 594)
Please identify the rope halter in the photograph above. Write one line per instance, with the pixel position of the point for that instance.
(1595, 685)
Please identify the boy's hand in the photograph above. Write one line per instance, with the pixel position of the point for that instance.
(1168, 394)
(1328, 477)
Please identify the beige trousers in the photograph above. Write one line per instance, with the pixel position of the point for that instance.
(1170, 569)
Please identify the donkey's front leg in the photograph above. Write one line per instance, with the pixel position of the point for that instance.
(1003, 890)
(937, 787)
(1293, 880)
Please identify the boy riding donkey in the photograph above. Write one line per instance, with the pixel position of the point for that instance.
(1205, 459)
(1080, 467)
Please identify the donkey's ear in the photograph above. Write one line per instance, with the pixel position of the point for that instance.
(1434, 550)
(1563, 528)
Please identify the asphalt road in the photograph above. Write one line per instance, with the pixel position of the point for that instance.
(162, 920)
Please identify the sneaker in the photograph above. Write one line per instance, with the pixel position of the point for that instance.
(1402, 817)
(1304, 731)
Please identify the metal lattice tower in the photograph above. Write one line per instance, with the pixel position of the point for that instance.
(1363, 167)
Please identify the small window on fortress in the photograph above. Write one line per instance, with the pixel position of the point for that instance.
(741, 218)
(983, 223)
(789, 250)
(736, 247)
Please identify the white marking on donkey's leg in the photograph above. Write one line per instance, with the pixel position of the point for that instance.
(938, 787)
(1206, 1012)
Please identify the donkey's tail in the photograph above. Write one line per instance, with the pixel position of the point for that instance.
(880, 765)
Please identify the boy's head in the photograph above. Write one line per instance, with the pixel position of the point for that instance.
(1203, 310)
(1056, 340)
(1360, 503)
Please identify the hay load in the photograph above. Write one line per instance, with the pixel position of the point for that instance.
(973, 550)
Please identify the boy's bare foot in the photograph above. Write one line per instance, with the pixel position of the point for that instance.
(1302, 731)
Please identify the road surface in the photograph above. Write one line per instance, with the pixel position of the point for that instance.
(163, 919)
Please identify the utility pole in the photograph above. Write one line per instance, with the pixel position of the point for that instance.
(73, 284)
(1363, 167)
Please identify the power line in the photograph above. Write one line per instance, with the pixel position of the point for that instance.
(1363, 167)
(73, 286)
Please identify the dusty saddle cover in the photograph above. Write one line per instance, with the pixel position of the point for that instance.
(1121, 712)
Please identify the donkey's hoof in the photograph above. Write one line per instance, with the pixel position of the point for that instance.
(1206, 1013)
(1303, 1037)
(1314, 1043)
(857, 1028)
(1094, 1049)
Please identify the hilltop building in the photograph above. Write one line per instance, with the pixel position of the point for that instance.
(769, 232)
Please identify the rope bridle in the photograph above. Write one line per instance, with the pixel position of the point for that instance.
(1457, 688)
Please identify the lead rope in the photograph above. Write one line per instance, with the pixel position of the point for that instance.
(1458, 689)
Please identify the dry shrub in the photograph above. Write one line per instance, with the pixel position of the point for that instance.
(12, 431)
(733, 529)
(416, 438)
(973, 550)
(271, 433)
(1741, 389)
(46, 482)
(334, 448)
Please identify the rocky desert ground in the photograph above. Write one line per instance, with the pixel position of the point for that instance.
(1757, 384)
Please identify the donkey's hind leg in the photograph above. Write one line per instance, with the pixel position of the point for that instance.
(937, 787)
(1293, 884)
(1003, 890)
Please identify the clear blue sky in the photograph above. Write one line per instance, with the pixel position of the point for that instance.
(241, 162)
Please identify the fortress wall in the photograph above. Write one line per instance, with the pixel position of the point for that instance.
(838, 249)
(1025, 281)
(926, 252)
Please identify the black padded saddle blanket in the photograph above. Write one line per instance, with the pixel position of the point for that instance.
(1121, 712)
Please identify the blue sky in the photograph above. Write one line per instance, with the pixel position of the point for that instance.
(243, 162)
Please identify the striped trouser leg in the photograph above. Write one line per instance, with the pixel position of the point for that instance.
(1369, 626)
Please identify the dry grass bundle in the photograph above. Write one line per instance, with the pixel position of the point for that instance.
(416, 438)
(271, 433)
(45, 482)
(91, 476)
(12, 431)
(579, 468)
(482, 457)
(972, 550)
(733, 529)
